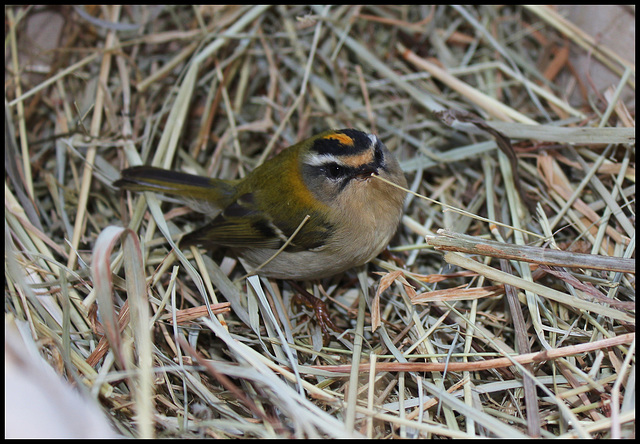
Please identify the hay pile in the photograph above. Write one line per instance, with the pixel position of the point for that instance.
(524, 327)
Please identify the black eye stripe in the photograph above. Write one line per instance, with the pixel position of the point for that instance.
(335, 171)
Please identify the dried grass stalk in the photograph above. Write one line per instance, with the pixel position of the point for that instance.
(517, 340)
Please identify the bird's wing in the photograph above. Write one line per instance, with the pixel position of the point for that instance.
(243, 225)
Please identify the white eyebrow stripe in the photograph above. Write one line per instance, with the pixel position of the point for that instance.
(321, 159)
(374, 139)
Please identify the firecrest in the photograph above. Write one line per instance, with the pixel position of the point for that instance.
(328, 177)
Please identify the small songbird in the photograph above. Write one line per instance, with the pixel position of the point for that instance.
(352, 216)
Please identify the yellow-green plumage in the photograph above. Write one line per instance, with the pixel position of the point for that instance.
(260, 212)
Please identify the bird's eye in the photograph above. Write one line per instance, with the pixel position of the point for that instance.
(335, 171)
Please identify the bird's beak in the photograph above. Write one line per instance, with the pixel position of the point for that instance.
(366, 171)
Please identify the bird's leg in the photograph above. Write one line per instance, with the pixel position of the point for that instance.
(319, 308)
(387, 255)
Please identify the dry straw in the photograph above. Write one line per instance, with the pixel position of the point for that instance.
(525, 328)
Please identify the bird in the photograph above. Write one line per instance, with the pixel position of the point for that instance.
(329, 177)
